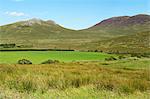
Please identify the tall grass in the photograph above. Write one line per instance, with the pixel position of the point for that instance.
(31, 78)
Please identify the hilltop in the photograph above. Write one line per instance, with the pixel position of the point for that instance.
(122, 25)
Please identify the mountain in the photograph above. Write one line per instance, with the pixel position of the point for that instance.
(39, 33)
(31, 29)
(125, 20)
(124, 25)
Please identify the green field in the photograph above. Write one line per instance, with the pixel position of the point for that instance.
(39, 56)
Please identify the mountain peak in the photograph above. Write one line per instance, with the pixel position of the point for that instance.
(32, 21)
(113, 20)
(125, 20)
(144, 15)
(38, 21)
(51, 22)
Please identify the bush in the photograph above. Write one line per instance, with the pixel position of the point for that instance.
(121, 57)
(105, 64)
(110, 58)
(140, 55)
(7, 45)
(24, 61)
(147, 55)
(50, 62)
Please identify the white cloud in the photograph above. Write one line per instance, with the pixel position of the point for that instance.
(17, 14)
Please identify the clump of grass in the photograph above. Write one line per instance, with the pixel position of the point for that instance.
(7, 69)
(28, 86)
(140, 85)
(22, 86)
(70, 81)
(125, 89)
(105, 86)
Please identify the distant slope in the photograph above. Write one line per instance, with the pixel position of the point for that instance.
(136, 43)
(124, 25)
(47, 34)
(32, 29)
(39, 33)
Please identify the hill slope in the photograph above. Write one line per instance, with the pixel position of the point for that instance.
(38, 33)
(124, 25)
(47, 34)
(32, 29)
(138, 43)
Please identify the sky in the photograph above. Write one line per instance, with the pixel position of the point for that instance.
(73, 14)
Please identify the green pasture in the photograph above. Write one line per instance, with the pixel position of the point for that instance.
(39, 56)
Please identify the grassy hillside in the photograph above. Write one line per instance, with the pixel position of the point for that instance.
(124, 25)
(137, 43)
(36, 33)
(39, 33)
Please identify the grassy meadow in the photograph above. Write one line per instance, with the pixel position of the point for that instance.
(119, 79)
(39, 56)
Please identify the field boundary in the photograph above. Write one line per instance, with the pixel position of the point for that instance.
(3, 50)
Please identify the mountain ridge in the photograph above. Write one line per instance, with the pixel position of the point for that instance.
(140, 18)
(101, 22)
(122, 25)
(48, 34)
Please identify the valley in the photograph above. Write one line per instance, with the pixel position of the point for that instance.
(42, 60)
(36, 33)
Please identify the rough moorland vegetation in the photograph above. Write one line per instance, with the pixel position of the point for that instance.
(118, 79)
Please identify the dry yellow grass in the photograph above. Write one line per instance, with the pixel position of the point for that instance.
(63, 76)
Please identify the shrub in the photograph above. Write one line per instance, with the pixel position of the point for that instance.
(110, 58)
(24, 61)
(121, 57)
(105, 64)
(147, 55)
(50, 62)
(140, 55)
(96, 51)
(7, 45)
(134, 55)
